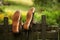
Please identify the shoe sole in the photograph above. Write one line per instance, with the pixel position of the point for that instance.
(15, 22)
(29, 18)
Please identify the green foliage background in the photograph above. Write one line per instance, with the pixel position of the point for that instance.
(50, 8)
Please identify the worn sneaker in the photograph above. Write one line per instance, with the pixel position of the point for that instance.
(16, 22)
(29, 18)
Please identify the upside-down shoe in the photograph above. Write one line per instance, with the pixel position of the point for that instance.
(29, 18)
(16, 22)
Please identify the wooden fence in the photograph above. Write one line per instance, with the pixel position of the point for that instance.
(37, 32)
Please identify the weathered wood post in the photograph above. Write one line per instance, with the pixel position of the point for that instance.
(58, 21)
(5, 28)
(59, 27)
(6, 24)
(43, 27)
(59, 34)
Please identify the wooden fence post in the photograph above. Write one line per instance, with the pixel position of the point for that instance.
(5, 28)
(58, 21)
(43, 27)
(6, 24)
(59, 34)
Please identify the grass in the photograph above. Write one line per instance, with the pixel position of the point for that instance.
(51, 13)
(24, 2)
(10, 10)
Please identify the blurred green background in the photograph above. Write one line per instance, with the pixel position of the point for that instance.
(50, 8)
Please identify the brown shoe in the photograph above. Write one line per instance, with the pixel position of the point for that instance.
(29, 18)
(15, 22)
